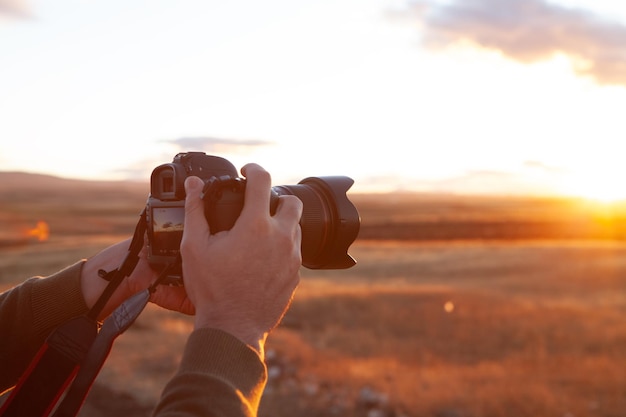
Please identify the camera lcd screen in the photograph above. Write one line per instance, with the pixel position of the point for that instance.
(168, 225)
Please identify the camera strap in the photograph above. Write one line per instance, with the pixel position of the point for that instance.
(52, 369)
(116, 324)
(128, 265)
(59, 359)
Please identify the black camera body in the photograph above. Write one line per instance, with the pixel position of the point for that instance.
(329, 222)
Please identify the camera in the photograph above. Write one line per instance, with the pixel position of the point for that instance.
(329, 221)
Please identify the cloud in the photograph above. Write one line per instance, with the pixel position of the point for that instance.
(216, 145)
(528, 31)
(480, 182)
(531, 178)
(15, 9)
(541, 167)
(141, 169)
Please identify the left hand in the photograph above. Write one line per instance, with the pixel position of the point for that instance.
(171, 298)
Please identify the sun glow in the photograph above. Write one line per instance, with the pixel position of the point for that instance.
(600, 187)
(602, 193)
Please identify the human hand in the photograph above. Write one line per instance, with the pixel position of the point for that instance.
(243, 279)
(92, 285)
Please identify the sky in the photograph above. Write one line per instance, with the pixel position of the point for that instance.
(462, 96)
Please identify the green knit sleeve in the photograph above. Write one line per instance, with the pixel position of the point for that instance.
(218, 376)
(29, 312)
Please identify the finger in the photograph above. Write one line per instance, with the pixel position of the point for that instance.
(289, 212)
(172, 298)
(257, 197)
(289, 207)
(195, 221)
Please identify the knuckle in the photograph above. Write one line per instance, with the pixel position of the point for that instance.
(186, 247)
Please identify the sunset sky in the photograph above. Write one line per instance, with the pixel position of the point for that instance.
(466, 96)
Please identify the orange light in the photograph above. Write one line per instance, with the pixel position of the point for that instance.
(41, 231)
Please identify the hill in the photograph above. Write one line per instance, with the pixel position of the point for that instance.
(67, 206)
(22, 186)
(81, 207)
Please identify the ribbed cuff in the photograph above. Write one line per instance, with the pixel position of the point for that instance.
(223, 355)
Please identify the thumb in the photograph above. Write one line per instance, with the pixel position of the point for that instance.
(194, 206)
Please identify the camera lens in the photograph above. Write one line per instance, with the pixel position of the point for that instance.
(329, 223)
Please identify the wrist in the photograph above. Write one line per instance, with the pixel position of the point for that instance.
(93, 285)
(251, 337)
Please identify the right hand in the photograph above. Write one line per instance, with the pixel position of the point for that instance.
(242, 280)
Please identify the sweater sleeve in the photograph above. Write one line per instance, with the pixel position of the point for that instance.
(218, 376)
(30, 312)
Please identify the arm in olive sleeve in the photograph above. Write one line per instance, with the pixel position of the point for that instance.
(29, 312)
(218, 376)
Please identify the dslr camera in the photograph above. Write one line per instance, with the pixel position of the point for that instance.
(329, 221)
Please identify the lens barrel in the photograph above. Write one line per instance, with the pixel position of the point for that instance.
(329, 222)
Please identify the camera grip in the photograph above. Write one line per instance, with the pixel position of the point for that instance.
(223, 201)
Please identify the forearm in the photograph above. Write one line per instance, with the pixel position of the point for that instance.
(218, 376)
(30, 312)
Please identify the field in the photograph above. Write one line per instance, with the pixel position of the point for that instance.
(458, 306)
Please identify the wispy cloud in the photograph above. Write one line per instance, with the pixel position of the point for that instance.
(530, 178)
(15, 9)
(215, 145)
(528, 31)
(141, 169)
(543, 168)
(494, 182)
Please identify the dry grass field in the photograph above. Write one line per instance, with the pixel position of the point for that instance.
(458, 306)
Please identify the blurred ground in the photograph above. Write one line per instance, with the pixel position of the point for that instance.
(458, 307)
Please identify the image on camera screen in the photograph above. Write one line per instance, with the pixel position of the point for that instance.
(167, 223)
